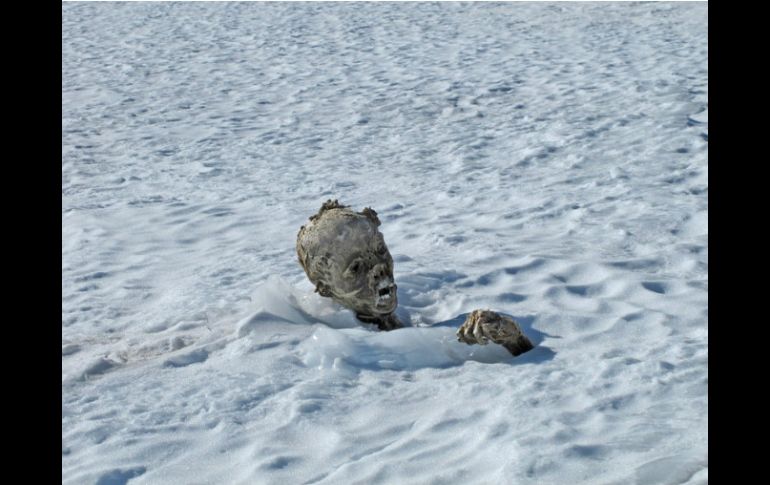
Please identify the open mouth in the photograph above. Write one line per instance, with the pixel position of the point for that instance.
(386, 297)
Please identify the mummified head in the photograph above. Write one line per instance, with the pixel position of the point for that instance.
(346, 258)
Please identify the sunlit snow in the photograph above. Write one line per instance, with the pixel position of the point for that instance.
(548, 161)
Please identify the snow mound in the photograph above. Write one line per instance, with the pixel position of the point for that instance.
(403, 349)
(340, 342)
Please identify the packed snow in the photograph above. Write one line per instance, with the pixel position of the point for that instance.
(546, 161)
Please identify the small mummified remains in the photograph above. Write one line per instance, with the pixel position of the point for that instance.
(483, 326)
(345, 256)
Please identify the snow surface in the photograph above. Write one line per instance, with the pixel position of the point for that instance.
(547, 161)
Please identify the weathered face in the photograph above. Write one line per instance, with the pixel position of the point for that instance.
(345, 256)
(361, 275)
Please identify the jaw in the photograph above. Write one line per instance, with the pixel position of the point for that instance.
(371, 303)
(375, 305)
(385, 306)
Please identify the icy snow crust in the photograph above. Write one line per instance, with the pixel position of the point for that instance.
(545, 161)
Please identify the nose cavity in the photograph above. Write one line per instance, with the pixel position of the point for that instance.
(379, 274)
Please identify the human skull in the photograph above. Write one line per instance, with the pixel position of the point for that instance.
(345, 256)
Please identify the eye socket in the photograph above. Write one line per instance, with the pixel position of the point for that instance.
(354, 268)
